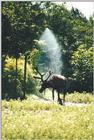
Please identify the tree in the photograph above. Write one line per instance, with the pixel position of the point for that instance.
(28, 21)
(71, 29)
(6, 38)
(82, 62)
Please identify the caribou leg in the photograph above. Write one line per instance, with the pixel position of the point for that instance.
(59, 100)
(64, 98)
(44, 92)
(53, 94)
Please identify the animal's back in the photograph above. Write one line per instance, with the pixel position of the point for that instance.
(57, 81)
(60, 77)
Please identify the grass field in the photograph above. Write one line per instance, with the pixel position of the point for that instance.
(43, 120)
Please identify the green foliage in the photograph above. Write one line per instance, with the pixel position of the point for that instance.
(24, 22)
(34, 58)
(82, 62)
(6, 35)
(11, 79)
(71, 29)
(10, 64)
(35, 119)
(39, 57)
(12, 87)
(27, 22)
(31, 85)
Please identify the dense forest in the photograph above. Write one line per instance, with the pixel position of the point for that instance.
(22, 26)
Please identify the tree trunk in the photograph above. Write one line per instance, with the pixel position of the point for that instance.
(25, 68)
(16, 67)
(2, 76)
(3, 64)
(16, 75)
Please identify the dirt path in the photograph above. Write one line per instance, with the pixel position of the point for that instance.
(75, 104)
(51, 101)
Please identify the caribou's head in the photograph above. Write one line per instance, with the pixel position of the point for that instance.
(44, 83)
(43, 86)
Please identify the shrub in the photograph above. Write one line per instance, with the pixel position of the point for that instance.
(11, 87)
(82, 62)
(12, 82)
(80, 97)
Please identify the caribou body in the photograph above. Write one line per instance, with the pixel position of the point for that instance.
(55, 82)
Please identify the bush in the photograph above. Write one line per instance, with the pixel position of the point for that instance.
(31, 86)
(80, 97)
(82, 62)
(11, 87)
(12, 82)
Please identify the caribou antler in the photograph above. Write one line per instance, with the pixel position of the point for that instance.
(41, 75)
(36, 77)
(50, 73)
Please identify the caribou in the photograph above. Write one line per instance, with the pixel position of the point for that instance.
(58, 83)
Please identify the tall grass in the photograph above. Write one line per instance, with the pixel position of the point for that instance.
(75, 97)
(35, 119)
(80, 97)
